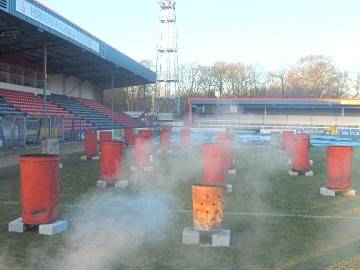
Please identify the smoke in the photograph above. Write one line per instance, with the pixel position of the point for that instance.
(105, 228)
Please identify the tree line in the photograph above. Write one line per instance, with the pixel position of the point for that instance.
(312, 76)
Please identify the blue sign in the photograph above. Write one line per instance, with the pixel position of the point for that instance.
(350, 132)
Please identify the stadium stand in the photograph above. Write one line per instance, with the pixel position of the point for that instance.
(77, 108)
(7, 110)
(31, 104)
(119, 118)
(23, 104)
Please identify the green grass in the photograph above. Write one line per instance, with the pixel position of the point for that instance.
(258, 241)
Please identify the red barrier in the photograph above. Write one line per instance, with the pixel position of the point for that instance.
(339, 167)
(226, 140)
(288, 141)
(129, 136)
(165, 138)
(214, 171)
(90, 144)
(105, 135)
(186, 136)
(300, 160)
(146, 132)
(141, 152)
(40, 188)
(111, 163)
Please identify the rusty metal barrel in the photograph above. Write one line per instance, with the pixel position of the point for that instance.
(288, 141)
(111, 163)
(40, 188)
(90, 145)
(208, 207)
(186, 136)
(105, 135)
(146, 132)
(339, 167)
(141, 152)
(226, 140)
(165, 138)
(129, 136)
(276, 139)
(214, 166)
(300, 160)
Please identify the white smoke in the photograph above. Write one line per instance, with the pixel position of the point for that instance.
(105, 228)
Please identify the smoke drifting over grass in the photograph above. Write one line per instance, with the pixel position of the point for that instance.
(107, 227)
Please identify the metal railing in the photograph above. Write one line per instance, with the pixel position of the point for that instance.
(24, 131)
(249, 124)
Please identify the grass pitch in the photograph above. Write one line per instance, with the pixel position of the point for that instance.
(277, 221)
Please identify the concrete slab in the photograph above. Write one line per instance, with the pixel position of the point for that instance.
(229, 188)
(164, 151)
(148, 169)
(296, 173)
(221, 238)
(122, 184)
(57, 227)
(106, 184)
(332, 193)
(349, 193)
(17, 226)
(327, 192)
(190, 237)
(101, 184)
(84, 157)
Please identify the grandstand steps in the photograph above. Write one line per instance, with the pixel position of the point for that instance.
(97, 119)
(30, 106)
(107, 112)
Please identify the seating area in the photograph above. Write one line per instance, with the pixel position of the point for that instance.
(77, 108)
(31, 104)
(22, 104)
(106, 111)
(77, 113)
(7, 110)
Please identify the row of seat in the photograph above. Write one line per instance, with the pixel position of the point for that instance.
(93, 114)
(31, 104)
(23, 104)
(84, 112)
(106, 111)
(7, 110)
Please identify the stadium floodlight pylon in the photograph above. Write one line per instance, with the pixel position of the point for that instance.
(167, 100)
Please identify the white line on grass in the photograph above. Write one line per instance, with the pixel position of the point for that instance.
(184, 211)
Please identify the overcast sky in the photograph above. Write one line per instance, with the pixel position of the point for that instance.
(270, 33)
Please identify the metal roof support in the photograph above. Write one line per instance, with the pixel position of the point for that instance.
(45, 79)
(112, 102)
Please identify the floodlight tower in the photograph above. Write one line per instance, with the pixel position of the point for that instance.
(167, 68)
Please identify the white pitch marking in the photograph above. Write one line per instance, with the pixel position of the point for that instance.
(185, 211)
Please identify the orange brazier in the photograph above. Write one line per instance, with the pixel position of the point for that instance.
(226, 140)
(165, 138)
(208, 209)
(90, 145)
(186, 136)
(111, 160)
(301, 153)
(40, 188)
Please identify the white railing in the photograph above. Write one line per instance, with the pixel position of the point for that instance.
(241, 124)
